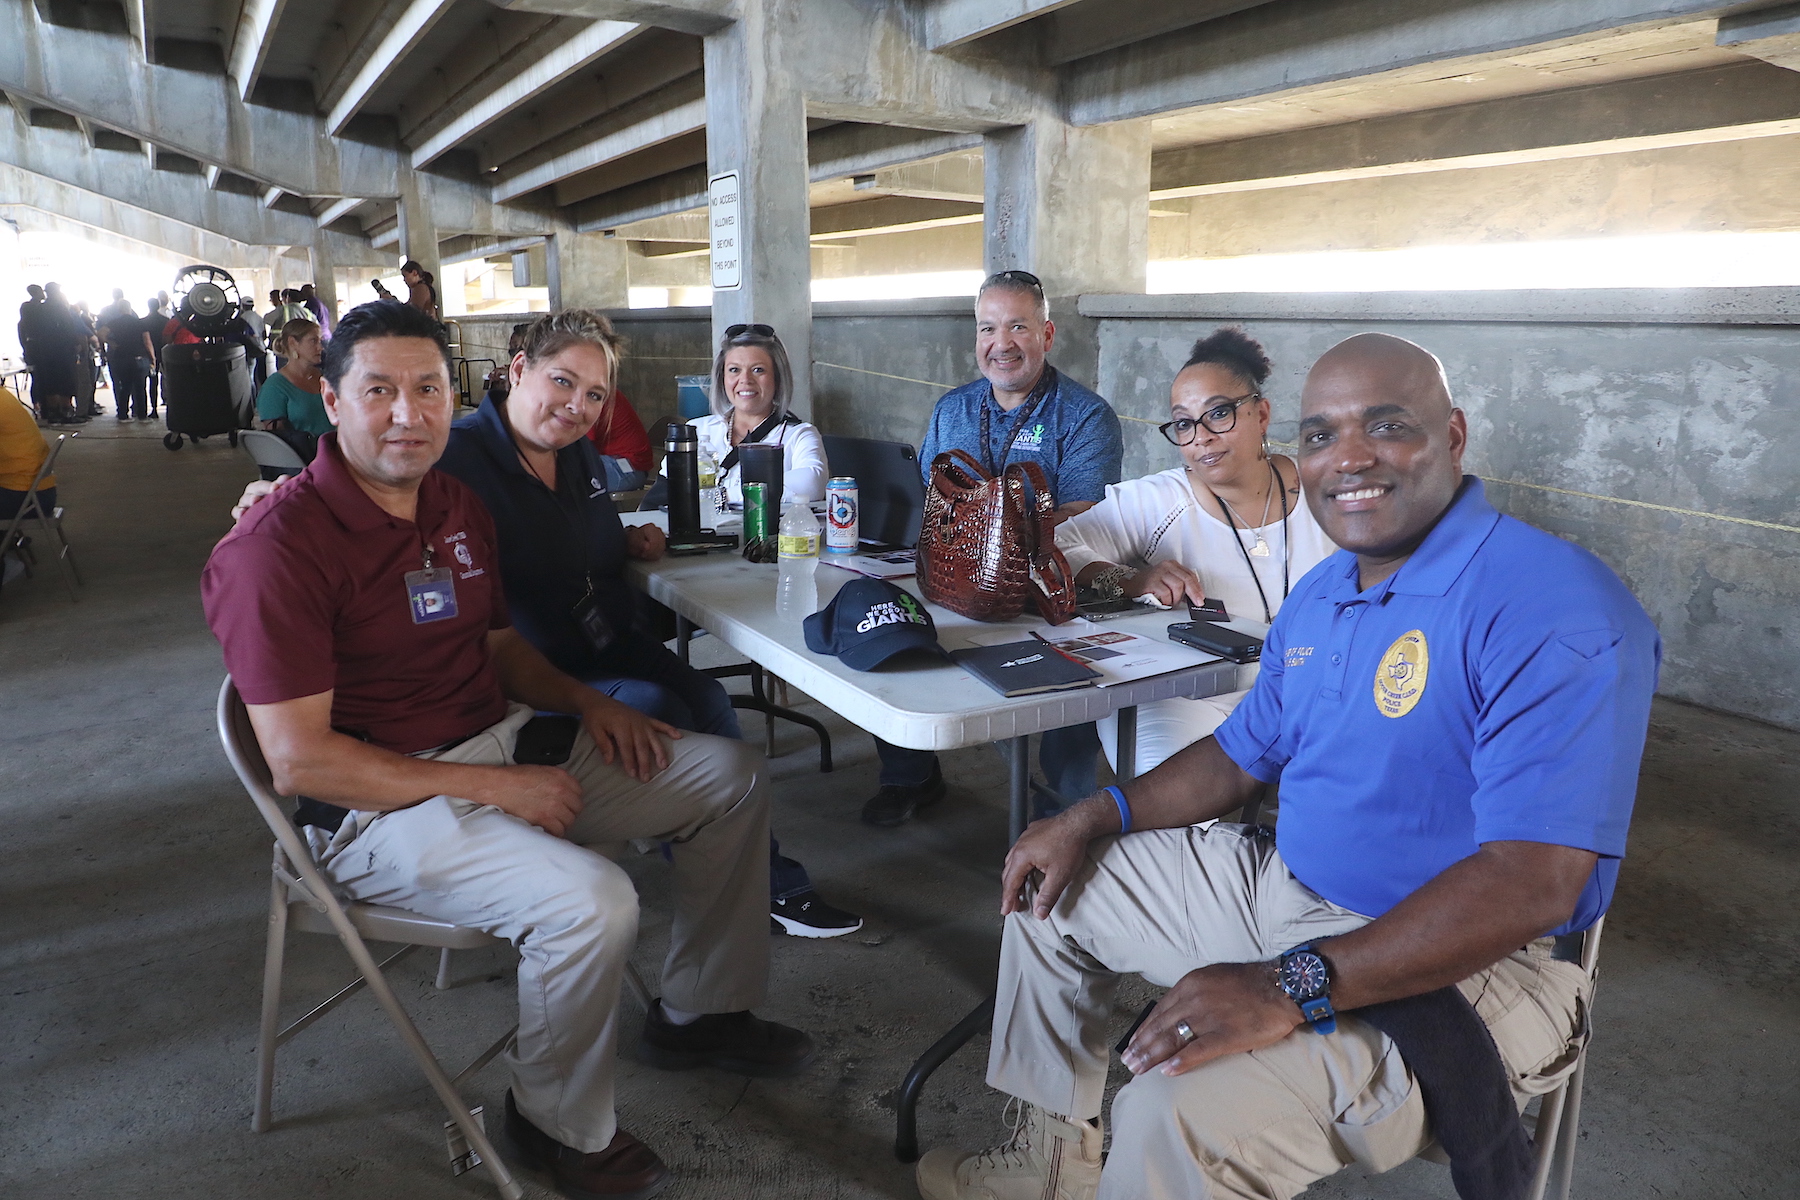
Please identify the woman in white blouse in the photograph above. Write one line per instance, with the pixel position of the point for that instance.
(1229, 523)
(751, 383)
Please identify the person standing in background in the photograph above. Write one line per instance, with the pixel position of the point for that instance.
(56, 341)
(128, 356)
(87, 361)
(155, 322)
(322, 314)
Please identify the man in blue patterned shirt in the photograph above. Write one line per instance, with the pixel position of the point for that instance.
(1021, 410)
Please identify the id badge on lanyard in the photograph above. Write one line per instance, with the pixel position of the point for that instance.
(431, 594)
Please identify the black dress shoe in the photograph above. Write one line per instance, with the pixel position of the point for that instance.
(895, 804)
(738, 1042)
(626, 1170)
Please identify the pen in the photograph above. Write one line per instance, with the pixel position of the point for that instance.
(1059, 650)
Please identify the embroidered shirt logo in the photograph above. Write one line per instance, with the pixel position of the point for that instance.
(463, 556)
(1400, 677)
(1296, 656)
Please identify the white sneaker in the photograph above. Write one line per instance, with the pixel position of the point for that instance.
(1047, 1158)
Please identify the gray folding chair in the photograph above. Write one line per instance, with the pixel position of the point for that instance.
(49, 523)
(300, 898)
(1558, 1120)
(271, 453)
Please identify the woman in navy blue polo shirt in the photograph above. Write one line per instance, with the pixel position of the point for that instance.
(563, 551)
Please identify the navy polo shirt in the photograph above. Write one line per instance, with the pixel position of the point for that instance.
(1495, 688)
(549, 541)
(1073, 435)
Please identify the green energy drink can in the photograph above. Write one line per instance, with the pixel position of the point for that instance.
(756, 516)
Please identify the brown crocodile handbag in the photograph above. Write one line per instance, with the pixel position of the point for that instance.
(986, 544)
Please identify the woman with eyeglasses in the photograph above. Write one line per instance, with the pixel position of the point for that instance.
(1229, 523)
(751, 384)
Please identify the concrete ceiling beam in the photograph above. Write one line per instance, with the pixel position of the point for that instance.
(202, 117)
(564, 57)
(957, 177)
(119, 229)
(1772, 35)
(675, 110)
(125, 179)
(698, 17)
(1095, 28)
(953, 23)
(415, 21)
(272, 196)
(1731, 103)
(250, 43)
(339, 208)
(890, 214)
(1297, 44)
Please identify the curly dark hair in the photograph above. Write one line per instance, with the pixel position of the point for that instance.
(1230, 347)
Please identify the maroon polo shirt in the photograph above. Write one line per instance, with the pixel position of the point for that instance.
(308, 594)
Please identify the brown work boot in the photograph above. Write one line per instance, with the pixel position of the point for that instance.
(738, 1042)
(625, 1170)
(1047, 1158)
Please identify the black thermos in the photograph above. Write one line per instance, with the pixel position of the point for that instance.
(683, 468)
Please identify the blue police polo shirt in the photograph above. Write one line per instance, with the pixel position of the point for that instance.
(1073, 435)
(549, 541)
(1495, 688)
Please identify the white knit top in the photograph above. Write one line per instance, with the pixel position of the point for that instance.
(1142, 522)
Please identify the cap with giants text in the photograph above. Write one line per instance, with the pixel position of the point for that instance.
(868, 622)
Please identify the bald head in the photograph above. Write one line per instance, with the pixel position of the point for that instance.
(1380, 448)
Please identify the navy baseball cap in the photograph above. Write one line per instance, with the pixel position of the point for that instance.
(868, 622)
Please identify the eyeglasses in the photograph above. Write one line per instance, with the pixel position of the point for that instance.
(1218, 418)
(767, 331)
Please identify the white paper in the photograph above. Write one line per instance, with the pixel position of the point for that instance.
(1120, 657)
(896, 565)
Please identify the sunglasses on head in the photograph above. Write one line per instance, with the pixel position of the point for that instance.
(759, 330)
(1024, 277)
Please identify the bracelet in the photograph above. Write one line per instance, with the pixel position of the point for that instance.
(1118, 796)
(1110, 583)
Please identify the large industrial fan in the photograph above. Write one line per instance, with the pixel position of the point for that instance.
(206, 381)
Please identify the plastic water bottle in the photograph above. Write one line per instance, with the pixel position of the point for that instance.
(797, 593)
(708, 469)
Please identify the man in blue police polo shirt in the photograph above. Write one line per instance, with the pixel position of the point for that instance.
(1022, 409)
(1454, 706)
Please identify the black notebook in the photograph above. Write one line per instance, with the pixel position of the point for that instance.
(1025, 668)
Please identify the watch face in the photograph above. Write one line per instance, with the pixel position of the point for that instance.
(1304, 975)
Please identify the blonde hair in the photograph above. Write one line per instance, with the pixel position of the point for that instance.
(555, 332)
(299, 327)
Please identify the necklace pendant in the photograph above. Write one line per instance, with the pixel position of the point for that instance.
(1261, 549)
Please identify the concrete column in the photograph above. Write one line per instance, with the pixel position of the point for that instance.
(324, 277)
(756, 126)
(588, 270)
(1069, 204)
(418, 231)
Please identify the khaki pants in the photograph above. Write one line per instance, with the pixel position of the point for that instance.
(572, 912)
(1263, 1124)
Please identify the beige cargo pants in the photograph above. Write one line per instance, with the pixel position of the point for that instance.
(1263, 1124)
(572, 912)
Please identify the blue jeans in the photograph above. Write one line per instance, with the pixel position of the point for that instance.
(1069, 758)
(661, 686)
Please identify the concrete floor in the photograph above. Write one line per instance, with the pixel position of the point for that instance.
(133, 886)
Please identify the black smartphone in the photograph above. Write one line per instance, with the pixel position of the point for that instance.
(546, 740)
(1120, 1046)
(1217, 639)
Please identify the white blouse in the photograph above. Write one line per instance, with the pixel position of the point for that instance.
(804, 471)
(1142, 522)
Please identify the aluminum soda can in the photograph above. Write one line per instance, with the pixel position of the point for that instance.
(756, 517)
(842, 516)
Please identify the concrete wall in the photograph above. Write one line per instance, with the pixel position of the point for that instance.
(1689, 400)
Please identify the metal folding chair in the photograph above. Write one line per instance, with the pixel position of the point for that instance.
(300, 898)
(271, 453)
(49, 523)
(1557, 1124)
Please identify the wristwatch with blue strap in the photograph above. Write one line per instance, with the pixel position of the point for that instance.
(1305, 976)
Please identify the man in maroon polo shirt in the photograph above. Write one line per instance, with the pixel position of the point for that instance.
(361, 615)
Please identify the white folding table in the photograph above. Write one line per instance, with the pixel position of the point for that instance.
(918, 704)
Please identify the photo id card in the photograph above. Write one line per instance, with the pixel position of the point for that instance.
(432, 595)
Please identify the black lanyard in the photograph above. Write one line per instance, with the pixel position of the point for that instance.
(1286, 557)
(1045, 385)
